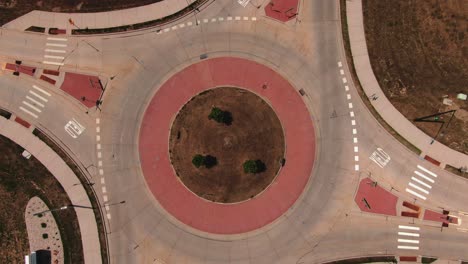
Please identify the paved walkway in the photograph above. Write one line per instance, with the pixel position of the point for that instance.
(43, 232)
(383, 106)
(77, 194)
(99, 19)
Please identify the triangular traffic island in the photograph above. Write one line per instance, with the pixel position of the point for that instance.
(374, 199)
(282, 10)
(85, 88)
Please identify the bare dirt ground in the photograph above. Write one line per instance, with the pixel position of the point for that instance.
(255, 133)
(11, 9)
(21, 179)
(419, 53)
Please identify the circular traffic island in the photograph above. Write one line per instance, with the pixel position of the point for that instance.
(226, 145)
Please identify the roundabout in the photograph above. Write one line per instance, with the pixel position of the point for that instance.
(248, 215)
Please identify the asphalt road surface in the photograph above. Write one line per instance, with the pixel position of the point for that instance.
(324, 224)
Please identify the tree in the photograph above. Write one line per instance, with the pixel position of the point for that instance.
(220, 116)
(198, 160)
(254, 166)
(208, 161)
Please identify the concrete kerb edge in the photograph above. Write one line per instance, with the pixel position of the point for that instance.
(89, 252)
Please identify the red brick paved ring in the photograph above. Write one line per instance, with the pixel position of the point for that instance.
(207, 216)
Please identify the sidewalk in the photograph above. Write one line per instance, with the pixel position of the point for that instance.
(99, 19)
(87, 222)
(389, 113)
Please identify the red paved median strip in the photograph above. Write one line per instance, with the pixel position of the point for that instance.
(47, 79)
(21, 68)
(438, 217)
(375, 199)
(226, 218)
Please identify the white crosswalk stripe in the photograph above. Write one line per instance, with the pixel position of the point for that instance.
(60, 46)
(32, 105)
(403, 241)
(420, 183)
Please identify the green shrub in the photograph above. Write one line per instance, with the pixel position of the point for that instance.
(254, 166)
(220, 116)
(198, 160)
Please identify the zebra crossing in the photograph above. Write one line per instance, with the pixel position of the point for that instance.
(408, 237)
(35, 101)
(421, 182)
(55, 50)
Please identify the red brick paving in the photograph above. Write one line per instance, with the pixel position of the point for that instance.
(21, 68)
(82, 85)
(226, 218)
(380, 200)
(282, 10)
(22, 122)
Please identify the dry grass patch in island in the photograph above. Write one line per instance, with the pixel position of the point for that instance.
(215, 134)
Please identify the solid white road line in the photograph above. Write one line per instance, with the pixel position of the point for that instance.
(55, 51)
(57, 39)
(408, 234)
(32, 106)
(41, 90)
(424, 176)
(415, 194)
(409, 227)
(421, 182)
(408, 247)
(54, 57)
(34, 101)
(29, 112)
(408, 241)
(418, 188)
(56, 45)
(53, 63)
(428, 171)
(38, 96)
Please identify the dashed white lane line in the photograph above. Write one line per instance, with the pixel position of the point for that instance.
(351, 114)
(348, 96)
(105, 198)
(346, 88)
(100, 163)
(57, 39)
(108, 216)
(342, 72)
(355, 140)
(102, 180)
(28, 112)
(340, 64)
(99, 154)
(354, 131)
(237, 18)
(350, 105)
(98, 121)
(98, 138)
(356, 167)
(221, 18)
(356, 149)
(98, 146)
(356, 158)
(344, 80)
(104, 190)
(101, 172)
(353, 122)
(54, 51)
(229, 18)
(38, 96)
(41, 90)
(98, 129)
